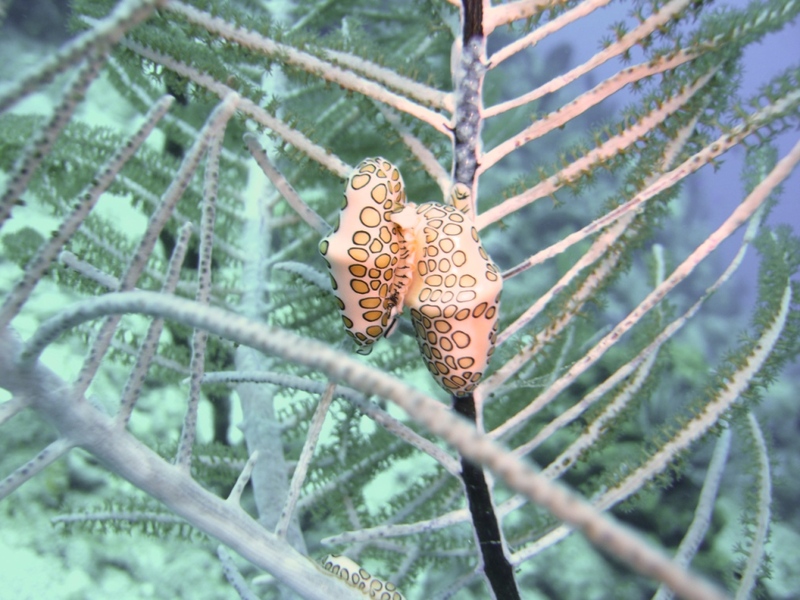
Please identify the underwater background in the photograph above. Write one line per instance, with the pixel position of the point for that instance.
(39, 559)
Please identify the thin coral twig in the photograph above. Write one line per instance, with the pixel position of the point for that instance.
(755, 557)
(111, 283)
(658, 19)
(642, 366)
(540, 33)
(308, 214)
(312, 64)
(587, 288)
(126, 15)
(664, 182)
(199, 337)
(221, 245)
(39, 147)
(380, 532)
(740, 215)
(691, 432)
(581, 104)
(425, 157)
(711, 413)
(88, 198)
(244, 478)
(10, 408)
(413, 89)
(234, 576)
(315, 152)
(158, 219)
(35, 466)
(304, 461)
(432, 414)
(320, 492)
(360, 401)
(694, 536)
(608, 149)
(147, 350)
(603, 269)
(503, 14)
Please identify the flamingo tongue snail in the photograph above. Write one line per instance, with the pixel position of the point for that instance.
(386, 253)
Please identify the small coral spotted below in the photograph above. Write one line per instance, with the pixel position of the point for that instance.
(360, 579)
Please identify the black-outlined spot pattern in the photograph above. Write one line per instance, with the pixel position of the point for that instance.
(454, 297)
(384, 255)
(361, 579)
(363, 251)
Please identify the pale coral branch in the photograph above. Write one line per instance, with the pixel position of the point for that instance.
(600, 529)
(593, 96)
(740, 215)
(222, 246)
(586, 289)
(36, 465)
(80, 422)
(433, 492)
(304, 461)
(308, 273)
(595, 252)
(158, 220)
(235, 495)
(580, 105)
(691, 432)
(408, 87)
(130, 517)
(234, 576)
(696, 533)
(370, 409)
(190, 131)
(308, 214)
(658, 19)
(710, 414)
(13, 407)
(365, 464)
(406, 434)
(578, 298)
(111, 283)
(208, 219)
(38, 147)
(647, 355)
(311, 64)
(403, 530)
(149, 345)
(424, 155)
(608, 149)
(664, 182)
(642, 365)
(313, 11)
(87, 199)
(126, 15)
(503, 14)
(538, 34)
(755, 556)
(640, 368)
(88, 270)
(163, 362)
(569, 456)
(316, 153)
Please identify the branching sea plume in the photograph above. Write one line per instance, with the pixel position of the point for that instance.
(337, 400)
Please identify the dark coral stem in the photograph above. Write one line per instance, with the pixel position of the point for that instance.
(498, 570)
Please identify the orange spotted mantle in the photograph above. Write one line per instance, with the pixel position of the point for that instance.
(385, 254)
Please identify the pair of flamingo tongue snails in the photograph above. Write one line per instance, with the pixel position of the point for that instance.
(386, 253)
